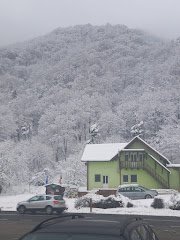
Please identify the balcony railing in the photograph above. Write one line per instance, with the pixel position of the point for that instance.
(132, 165)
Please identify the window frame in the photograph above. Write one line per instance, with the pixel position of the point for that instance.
(97, 176)
(124, 176)
(105, 179)
(133, 175)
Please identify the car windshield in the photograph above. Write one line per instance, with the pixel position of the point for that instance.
(65, 236)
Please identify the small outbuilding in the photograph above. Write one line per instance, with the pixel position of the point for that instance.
(54, 189)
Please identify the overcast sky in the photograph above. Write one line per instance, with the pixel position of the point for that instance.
(25, 19)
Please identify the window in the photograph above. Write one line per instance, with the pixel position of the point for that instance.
(35, 198)
(137, 189)
(126, 157)
(41, 198)
(97, 177)
(128, 189)
(133, 157)
(133, 178)
(122, 190)
(105, 179)
(140, 157)
(48, 197)
(58, 197)
(125, 178)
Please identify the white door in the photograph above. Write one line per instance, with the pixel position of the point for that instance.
(105, 181)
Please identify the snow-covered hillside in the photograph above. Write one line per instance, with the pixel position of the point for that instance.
(53, 88)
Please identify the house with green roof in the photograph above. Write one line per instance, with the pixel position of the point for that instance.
(113, 164)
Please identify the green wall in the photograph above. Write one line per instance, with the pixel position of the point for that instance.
(110, 169)
(143, 178)
(174, 179)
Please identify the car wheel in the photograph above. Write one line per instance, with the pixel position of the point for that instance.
(21, 209)
(49, 210)
(148, 196)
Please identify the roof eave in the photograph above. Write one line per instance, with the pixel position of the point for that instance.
(137, 137)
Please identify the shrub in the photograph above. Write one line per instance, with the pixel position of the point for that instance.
(129, 205)
(108, 202)
(157, 203)
(175, 202)
(71, 192)
(82, 202)
(176, 206)
(99, 201)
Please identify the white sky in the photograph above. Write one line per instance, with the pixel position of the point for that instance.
(24, 19)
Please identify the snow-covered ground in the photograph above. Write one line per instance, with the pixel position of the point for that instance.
(141, 207)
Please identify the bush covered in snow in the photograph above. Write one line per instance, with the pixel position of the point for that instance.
(109, 202)
(158, 203)
(129, 205)
(71, 192)
(82, 202)
(98, 201)
(174, 203)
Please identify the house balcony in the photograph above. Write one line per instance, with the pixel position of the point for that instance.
(145, 166)
(132, 165)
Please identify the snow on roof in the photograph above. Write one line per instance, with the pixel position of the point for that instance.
(133, 150)
(101, 152)
(57, 184)
(150, 147)
(159, 163)
(128, 185)
(173, 165)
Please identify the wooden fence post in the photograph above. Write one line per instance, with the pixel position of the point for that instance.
(90, 205)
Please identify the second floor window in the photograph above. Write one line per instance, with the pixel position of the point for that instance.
(126, 157)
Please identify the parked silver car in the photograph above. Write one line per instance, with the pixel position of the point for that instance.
(134, 191)
(47, 203)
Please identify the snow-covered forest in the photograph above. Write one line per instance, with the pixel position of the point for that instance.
(55, 87)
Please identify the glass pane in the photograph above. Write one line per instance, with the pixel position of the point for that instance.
(103, 179)
(106, 179)
(133, 178)
(97, 177)
(41, 198)
(48, 197)
(137, 189)
(34, 198)
(125, 178)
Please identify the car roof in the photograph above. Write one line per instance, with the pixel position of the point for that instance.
(85, 226)
(94, 224)
(129, 185)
